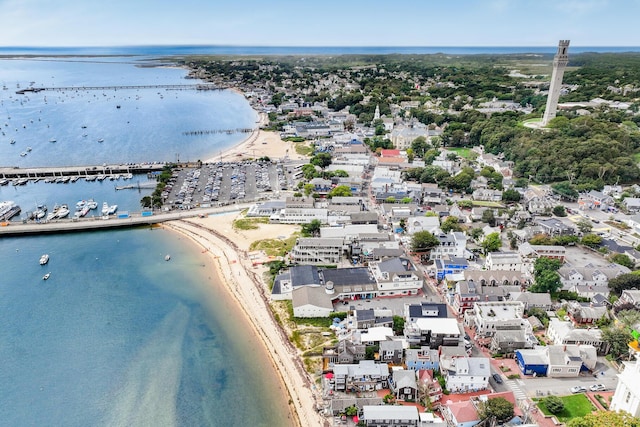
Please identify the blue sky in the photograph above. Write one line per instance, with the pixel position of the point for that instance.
(319, 23)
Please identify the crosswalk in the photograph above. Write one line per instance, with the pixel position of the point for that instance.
(515, 388)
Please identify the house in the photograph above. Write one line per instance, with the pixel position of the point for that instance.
(391, 351)
(432, 332)
(422, 358)
(415, 224)
(527, 250)
(508, 261)
(369, 318)
(554, 227)
(508, 341)
(429, 384)
(497, 278)
(311, 301)
(317, 250)
(367, 375)
(629, 298)
(432, 195)
(490, 317)
(449, 265)
(632, 204)
(396, 276)
(461, 414)
(403, 385)
(487, 194)
(627, 395)
(465, 374)
(589, 275)
(453, 245)
(532, 300)
(556, 361)
(424, 310)
(586, 313)
(390, 416)
(344, 352)
(595, 200)
(563, 332)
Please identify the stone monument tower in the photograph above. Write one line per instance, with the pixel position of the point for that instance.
(560, 61)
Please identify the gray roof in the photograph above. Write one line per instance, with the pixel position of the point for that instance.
(391, 345)
(311, 295)
(388, 412)
(403, 378)
(535, 356)
(348, 276)
(304, 275)
(426, 309)
(396, 265)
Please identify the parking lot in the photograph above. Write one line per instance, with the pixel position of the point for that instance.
(219, 184)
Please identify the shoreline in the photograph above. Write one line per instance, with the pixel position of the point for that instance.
(249, 294)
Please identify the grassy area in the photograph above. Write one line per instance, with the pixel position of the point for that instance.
(249, 223)
(462, 151)
(303, 149)
(274, 247)
(487, 204)
(576, 405)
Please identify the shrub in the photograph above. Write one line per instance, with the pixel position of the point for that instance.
(554, 404)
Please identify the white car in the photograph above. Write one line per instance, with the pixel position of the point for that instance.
(597, 387)
(578, 389)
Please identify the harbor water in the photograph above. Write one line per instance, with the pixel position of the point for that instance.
(117, 336)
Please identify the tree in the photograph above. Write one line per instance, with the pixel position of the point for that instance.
(629, 318)
(543, 263)
(499, 409)
(488, 217)
(146, 202)
(546, 281)
(450, 224)
(309, 171)
(423, 241)
(584, 226)
(491, 243)
(554, 404)
(623, 282)
(605, 418)
(398, 325)
(559, 210)
(511, 196)
(308, 189)
(340, 191)
(321, 159)
(591, 240)
(619, 339)
(410, 155)
(622, 259)
(419, 146)
(311, 228)
(476, 233)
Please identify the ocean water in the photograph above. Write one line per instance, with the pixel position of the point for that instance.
(117, 336)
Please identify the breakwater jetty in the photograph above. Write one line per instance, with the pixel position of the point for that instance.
(200, 86)
(81, 171)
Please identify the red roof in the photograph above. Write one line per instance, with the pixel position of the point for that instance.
(463, 412)
(389, 153)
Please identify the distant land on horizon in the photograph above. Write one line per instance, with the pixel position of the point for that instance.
(300, 50)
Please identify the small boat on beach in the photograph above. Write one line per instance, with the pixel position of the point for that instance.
(46, 276)
(44, 259)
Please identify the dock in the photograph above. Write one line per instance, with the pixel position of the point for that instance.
(201, 86)
(105, 223)
(81, 171)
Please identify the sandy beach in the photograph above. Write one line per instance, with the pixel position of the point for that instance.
(243, 280)
(258, 144)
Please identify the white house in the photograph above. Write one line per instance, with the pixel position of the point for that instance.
(311, 301)
(453, 244)
(627, 395)
(490, 317)
(465, 374)
(396, 276)
(589, 276)
(423, 223)
(508, 261)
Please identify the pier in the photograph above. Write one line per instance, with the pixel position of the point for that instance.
(81, 171)
(215, 131)
(201, 86)
(14, 228)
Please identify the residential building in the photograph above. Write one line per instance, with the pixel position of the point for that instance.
(403, 385)
(629, 297)
(452, 245)
(586, 313)
(508, 341)
(527, 250)
(300, 216)
(422, 358)
(311, 301)
(563, 332)
(390, 416)
(465, 374)
(561, 361)
(319, 251)
(555, 227)
(344, 352)
(429, 385)
(391, 351)
(532, 300)
(397, 276)
(367, 375)
(490, 317)
(627, 395)
(449, 265)
(461, 414)
(508, 261)
(589, 275)
(432, 332)
(415, 224)
(294, 277)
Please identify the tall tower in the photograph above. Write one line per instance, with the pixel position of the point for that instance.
(559, 63)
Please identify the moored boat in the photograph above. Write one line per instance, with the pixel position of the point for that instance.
(105, 208)
(46, 276)
(63, 211)
(44, 259)
(8, 210)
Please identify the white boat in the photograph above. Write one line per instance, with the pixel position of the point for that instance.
(63, 211)
(92, 204)
(85, 210)
(101, 140)
(112, 209)
(52, 140)
(8, 210)
(29, 149)
(46, 276)
(40, 212)
(80, 204)
(24, 153)
(167, 257)
(105, 208)
(44, 259)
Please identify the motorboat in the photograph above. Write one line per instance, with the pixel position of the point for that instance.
(44, 259)
(63, 211)
(40, 212)
(112, 209)
(105, 208)
(167, 257)
(80, 204)
(92, 204)
(52, 140)
(101, 140)
(46, 276)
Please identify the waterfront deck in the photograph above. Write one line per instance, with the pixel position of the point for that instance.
(100, 223)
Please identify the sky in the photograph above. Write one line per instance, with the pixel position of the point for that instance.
(319, 22)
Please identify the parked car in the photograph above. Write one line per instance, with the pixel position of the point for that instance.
(497, 378)
(578, 389)
(597, 387)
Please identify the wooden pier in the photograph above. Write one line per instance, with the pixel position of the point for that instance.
(81, 171)
(201, 86)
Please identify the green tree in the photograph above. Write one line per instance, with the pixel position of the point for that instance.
(605, 418)
(419, 146)
(423, 241)
(476, 233)
(398, 325)
(410, 155)
(591, 240)
(584, 226)
(309, 171)
(511, 196)
(554, 404)
(308, 189)
(619, 339)
(559, 210)
(146, 202)
(351, 411)
(321, 160)
(340, 191)
(623, 282)
(546, 281)
(450, 224)
(622, 259)
(542, 264)
(498, 409)
(488, 217)
(629, 318)
(491, 243)
(311, 228)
